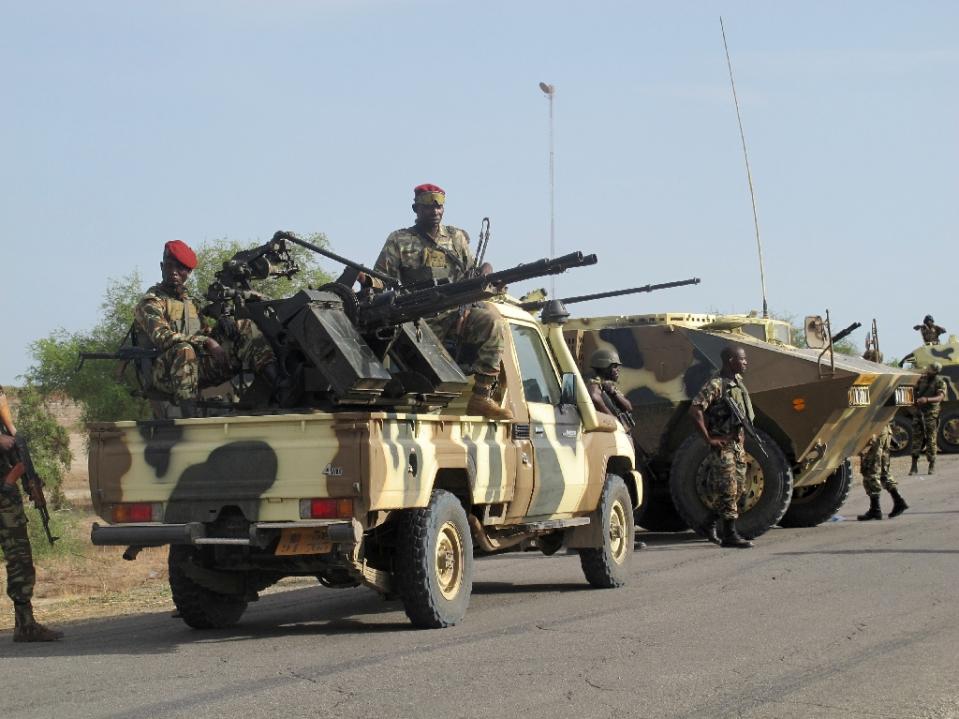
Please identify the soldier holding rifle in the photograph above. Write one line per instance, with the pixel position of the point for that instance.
(720, 411)
(14, 539)
(607, 397)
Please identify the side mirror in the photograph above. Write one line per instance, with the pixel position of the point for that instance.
(567, 394)
(815, 331)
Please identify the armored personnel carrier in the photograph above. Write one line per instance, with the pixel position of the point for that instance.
(814, 410)
(946, 354)
(375, 476)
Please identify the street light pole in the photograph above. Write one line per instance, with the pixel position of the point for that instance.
(550, 92)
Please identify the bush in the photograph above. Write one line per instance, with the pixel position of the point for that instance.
(49, 443)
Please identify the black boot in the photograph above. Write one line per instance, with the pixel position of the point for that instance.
(709, 529)
(28, 629)
(875, 511)
(914, 469)
(932, 466)
(731, 537)
(898, 504)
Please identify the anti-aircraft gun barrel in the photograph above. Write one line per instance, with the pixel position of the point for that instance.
(843, 334)
(397, 306)
(289, 236)
(540, 304)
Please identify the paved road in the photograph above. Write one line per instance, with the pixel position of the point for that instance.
(848, 619)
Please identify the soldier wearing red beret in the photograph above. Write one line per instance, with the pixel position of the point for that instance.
(191, 358)
(430, 250)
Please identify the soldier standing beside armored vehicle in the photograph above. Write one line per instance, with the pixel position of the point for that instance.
(930, 392)
(606, 396)
(15, 542)
(189, 359)
(874, 466)
(711, 413)
(430, 251)
(930, 330)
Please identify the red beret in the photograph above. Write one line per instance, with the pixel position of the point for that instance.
(182, 252)
(420, 189)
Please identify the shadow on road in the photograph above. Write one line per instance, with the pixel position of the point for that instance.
(301, 612)
(510, 588)
(670, 539)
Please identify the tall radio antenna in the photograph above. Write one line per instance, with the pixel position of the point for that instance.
(749, 174)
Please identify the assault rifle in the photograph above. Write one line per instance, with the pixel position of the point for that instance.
(745, 423)
(32, 483)
(540, 304)
(624, 417)
(125, 353)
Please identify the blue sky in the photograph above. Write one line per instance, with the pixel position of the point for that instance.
(127, 124)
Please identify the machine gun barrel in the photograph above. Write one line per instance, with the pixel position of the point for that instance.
(539, 304)
(397, 306)
(123, 354)
(843, 334)
(386, 279)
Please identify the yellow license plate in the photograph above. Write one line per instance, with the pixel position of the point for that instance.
(303, 540)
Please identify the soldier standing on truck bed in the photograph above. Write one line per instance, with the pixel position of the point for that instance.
(930, 392)
(930, 330)
(604, 392)
(711, 413)
(189, 358)
(430, 251)
(15, 541)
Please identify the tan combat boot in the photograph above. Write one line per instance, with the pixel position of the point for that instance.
(28, 629)
(482, 403)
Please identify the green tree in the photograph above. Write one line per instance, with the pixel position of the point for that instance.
(49, 442)
(106, 394)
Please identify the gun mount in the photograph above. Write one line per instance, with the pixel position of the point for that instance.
(342, 349)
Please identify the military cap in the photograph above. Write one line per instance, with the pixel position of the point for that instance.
(601, 359)
(428, 194)
(928, 318)
(181, 252)
(935, 367)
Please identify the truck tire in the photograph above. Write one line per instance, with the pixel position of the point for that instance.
(811, 506)
(949, 432)
(768, 491)
(198, 606)
(605, 567)
(433, 569)
(901, 435)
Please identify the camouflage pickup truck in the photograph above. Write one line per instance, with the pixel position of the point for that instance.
(399, 501)
(812, 414)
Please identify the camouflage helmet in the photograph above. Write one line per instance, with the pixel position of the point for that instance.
(935, 367)
(928, 318)
(603, 359)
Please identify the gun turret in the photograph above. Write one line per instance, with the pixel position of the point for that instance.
(541, 303)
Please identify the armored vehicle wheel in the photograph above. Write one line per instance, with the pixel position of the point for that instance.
(769, 484)
(434, 562)
(811, 506)
(949, 432)
(605, 567)
(200, 607)
(657, 513)
(901, 435)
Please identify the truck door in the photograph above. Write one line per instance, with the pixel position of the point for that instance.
(556, 433)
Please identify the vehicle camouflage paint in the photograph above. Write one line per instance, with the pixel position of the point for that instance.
(946, 354)
(394, 500)
(812, 415)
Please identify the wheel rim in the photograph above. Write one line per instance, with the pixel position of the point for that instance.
(618, 531)
(752, 487)
(449, 560)
(950, 431)
(900, 438)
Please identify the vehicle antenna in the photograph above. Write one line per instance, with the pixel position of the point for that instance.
(749, 176)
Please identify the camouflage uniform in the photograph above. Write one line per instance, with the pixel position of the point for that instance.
(171, 324)
(727, 464)
(15, 542)
(411, 256)
(925, 420)
(874, 463)
(930, 335)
